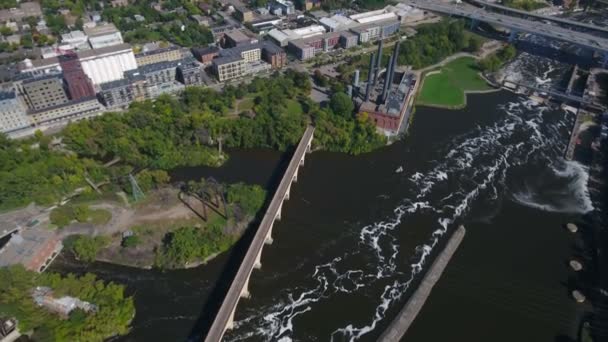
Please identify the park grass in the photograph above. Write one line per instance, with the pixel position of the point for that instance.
(448, 87)
(245, 104)
(294, 107)
(99, 216)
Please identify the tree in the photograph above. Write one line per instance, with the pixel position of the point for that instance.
(341, 104)
(86, 248)
(130, 241)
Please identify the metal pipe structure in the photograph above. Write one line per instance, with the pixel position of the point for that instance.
(387, 78)
(370, 75)
(378, 62)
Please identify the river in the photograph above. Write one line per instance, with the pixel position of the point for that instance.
(356, 235)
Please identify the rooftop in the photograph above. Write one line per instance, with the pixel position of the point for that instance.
(100, 30)
(24, 246)
(237, 36)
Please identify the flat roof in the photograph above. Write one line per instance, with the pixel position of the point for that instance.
(22, 247)
(237, 36)
(367, 14)
(100, 30)
(379, 17)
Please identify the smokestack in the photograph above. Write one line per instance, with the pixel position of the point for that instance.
(370, 75)
(392, 74)
(378, 62)
(350, 91)
(387, 78)
(356, 82)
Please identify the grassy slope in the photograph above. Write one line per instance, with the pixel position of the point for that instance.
(447, 88)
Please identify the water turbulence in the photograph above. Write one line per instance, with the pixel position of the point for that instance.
(517, 157)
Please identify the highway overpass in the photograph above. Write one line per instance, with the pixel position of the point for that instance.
(516, 25)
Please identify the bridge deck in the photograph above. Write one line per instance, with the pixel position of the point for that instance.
(232, 297)
(543, 17)
(582, 39)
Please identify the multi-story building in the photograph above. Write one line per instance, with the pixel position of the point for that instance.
(75, 40)
(155, 74)
(274, 55)
(190, 72)
(78, 84)
(103, 35)
(243, 14)
(44, 92)
(120, 93)
(101, 65)
(229, 67)
(376, 30)
(66, 112)
(236, 38)
(309, 47)
(13, 114)
(205, 55)
(348, 39)
(172, 53)
(301, 49)
(286, 6)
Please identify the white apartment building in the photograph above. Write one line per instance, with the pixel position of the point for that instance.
(13, 115)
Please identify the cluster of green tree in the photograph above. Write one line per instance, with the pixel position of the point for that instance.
(7, 47)
(30, 171)
(435, 42)
(250, 198)
(5, 4)
(85, 248)
(337, 128)
(526, 5)
(130, 241)
(65, 214)
(165, 25)
(190, 244)
(114, 314)
(159, 134)
(494, 61)
(151, 179)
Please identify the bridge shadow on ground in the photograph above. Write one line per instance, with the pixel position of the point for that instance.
(237, 254)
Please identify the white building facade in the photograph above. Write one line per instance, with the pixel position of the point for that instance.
(13, 113)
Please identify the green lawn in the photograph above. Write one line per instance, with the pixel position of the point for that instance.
(293, 106)
(447, 88)
(245, 104)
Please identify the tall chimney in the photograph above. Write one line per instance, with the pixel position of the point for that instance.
(393, 67)
(350, 90)
(387, 78)
(378, 62)
(370, 75)
(356, 81)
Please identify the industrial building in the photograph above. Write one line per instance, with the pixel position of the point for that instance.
(43, 296)
(205, 55)
(283, 37)
(104, 35)
(78, 84)
(190, 73)
(171, 53)
(309, 47)
(377, 30)
(386, 102)
(13, 114)
(120, 93)
(236, 38)
(34, 248)
(101, 65)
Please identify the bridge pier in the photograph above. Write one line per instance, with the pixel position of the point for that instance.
(269, 240)
(258, 261)
(278, 217)
(474, 24)
(513, 35)
(245, 291)
(230, 322)
(287, 192)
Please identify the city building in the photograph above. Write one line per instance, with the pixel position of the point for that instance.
(229, 67)
(307, 48)
(348, 39)
(373, 16)
(101, 65)
(377, 30)
(160, 78)
(301, 49)
(76, 40)
(235, 38)
(406, 14)
(274, 55)
(13, 114)
(44, 92)
(34, 248)
(243, 14)
(120, 93)
(337, 23)
(201, 20)
(66, 112)
(285, 6)
(205, 55)
(25, 10)
(78, 84)
(172, 53)
(283, 37)
(190, 72)
(103, 35)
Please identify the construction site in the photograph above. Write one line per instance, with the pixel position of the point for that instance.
(387, 96)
